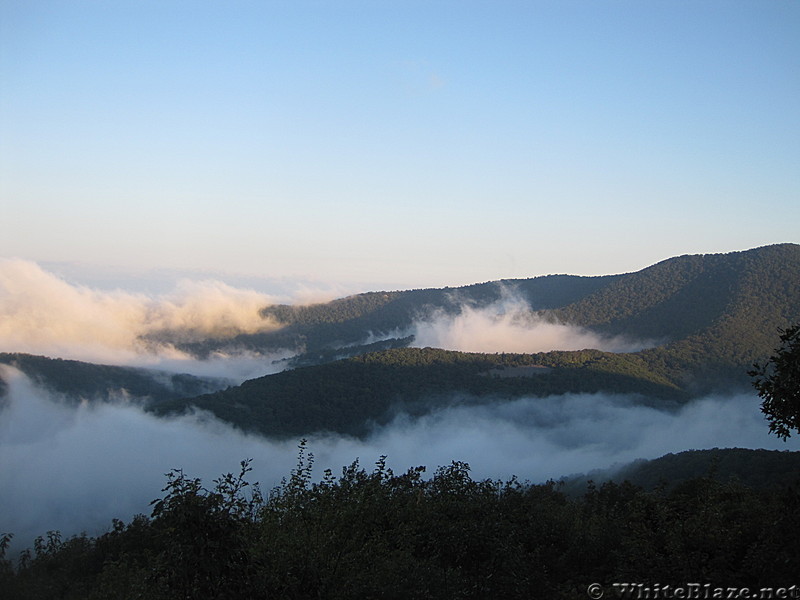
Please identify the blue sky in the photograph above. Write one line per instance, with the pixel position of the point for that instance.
(396, 144)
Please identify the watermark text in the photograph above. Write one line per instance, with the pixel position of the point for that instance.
(689, 591)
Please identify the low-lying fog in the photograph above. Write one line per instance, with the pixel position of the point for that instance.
(74, 469)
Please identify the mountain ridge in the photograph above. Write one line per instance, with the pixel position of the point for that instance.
(716, 314)
(647, 304)
(78, 381)
(713, 315)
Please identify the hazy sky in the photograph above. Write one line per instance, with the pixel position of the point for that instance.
(397, 143)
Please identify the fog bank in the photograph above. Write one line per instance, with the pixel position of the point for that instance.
(509, 325)
(76, 469)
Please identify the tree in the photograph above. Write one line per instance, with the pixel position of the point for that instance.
(203, 537)
(778, 383)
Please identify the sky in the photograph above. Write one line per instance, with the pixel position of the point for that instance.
(393, 145)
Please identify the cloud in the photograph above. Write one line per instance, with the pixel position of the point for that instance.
(74, 469)
(509, 325)
(41, 313)
(161, 280)
(542, 438)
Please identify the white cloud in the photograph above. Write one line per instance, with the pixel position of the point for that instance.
(509, 325)
(43, 314)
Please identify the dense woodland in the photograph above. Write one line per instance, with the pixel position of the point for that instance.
(350, 396)
(377, 534)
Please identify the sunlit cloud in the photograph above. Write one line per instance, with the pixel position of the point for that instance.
(41, 313)
(509, 325)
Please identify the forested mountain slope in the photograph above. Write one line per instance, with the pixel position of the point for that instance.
(714, 315)
(372, 533)
(758, 469)
(353, 320)
(347, 396)
(76, 381)
(711, 317)
(731, 303)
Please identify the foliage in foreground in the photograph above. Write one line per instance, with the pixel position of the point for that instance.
(778, 383)
(377, 534)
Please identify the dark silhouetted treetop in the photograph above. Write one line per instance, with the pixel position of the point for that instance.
(374, 533)
(778, 384)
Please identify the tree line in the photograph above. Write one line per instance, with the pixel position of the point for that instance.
(377, 534)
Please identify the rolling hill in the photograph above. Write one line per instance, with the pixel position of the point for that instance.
(713, 314)
(350, 395)
(759, 469)
(77, 381)
(710, 317)
(728, 304)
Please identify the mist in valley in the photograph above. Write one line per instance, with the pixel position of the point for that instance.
(74, 469)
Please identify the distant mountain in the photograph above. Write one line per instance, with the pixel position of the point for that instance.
(713, 315)
(344, 326)
(726, 307)
(710, 316)
(78, 381)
